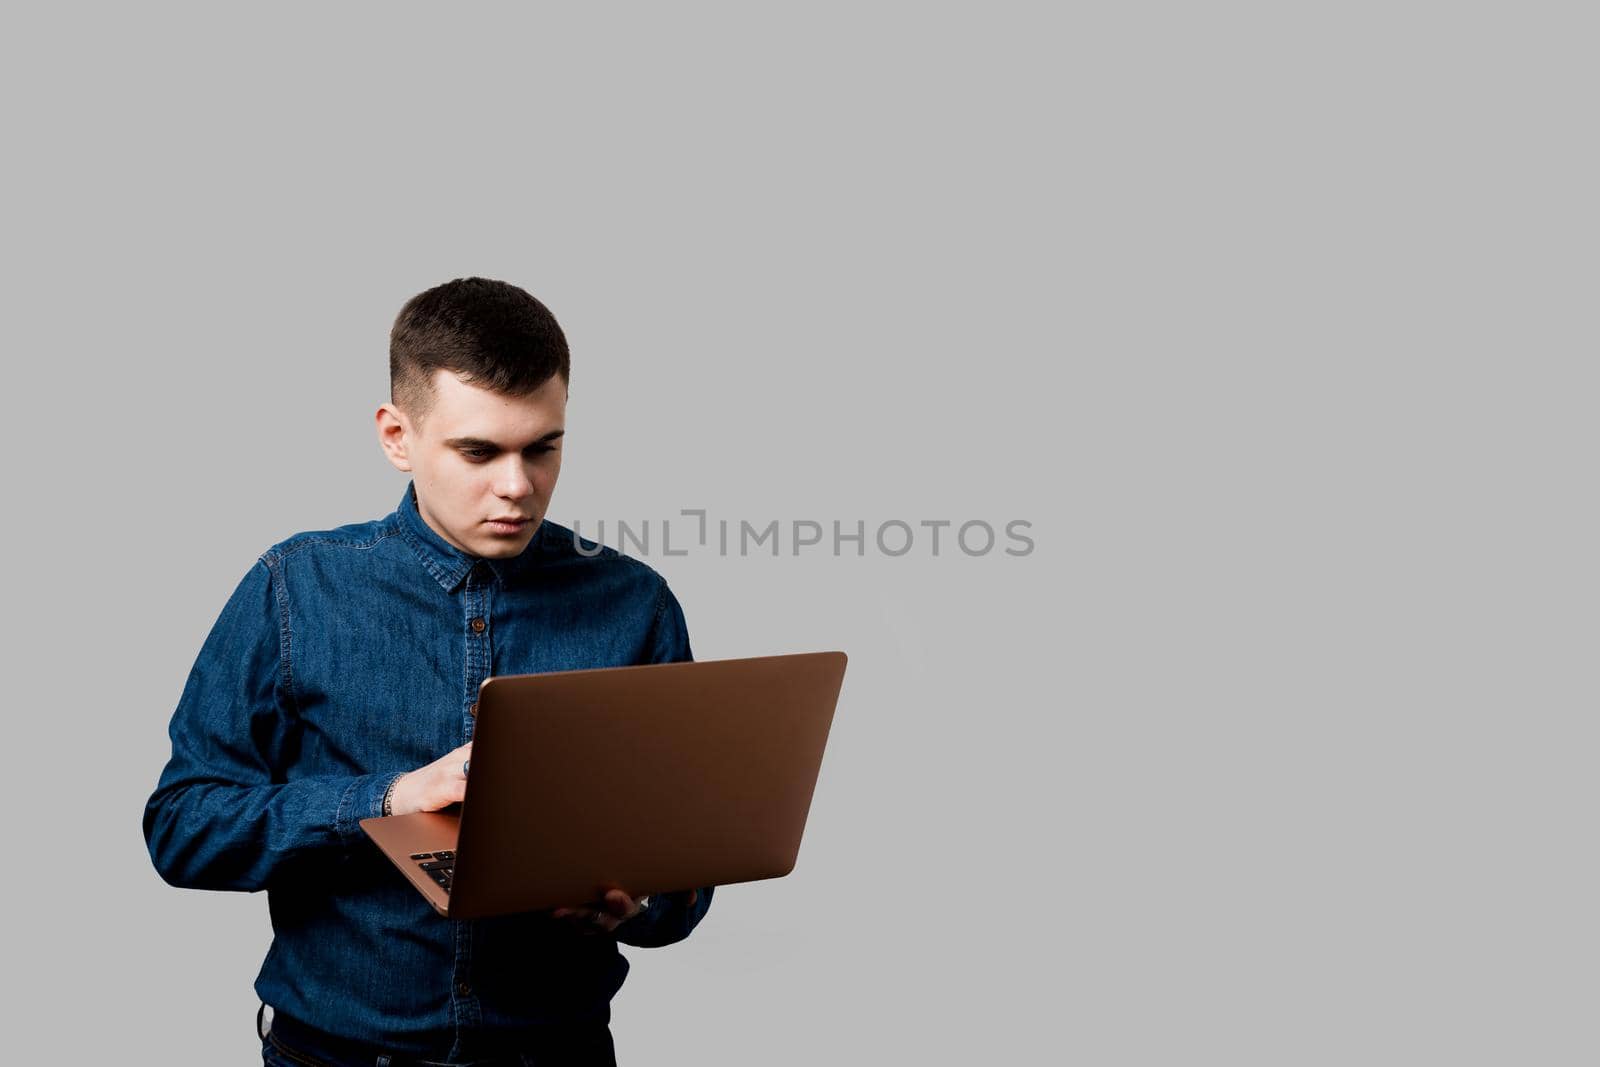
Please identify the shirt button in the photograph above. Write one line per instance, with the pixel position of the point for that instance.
(464, 989)
(473, 711)
(477, 626)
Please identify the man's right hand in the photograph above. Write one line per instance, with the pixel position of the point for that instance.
(438, 785)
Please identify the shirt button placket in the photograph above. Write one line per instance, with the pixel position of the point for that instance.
(478, 654)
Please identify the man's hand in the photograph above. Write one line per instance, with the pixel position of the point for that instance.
(438, 785)
(618, 908)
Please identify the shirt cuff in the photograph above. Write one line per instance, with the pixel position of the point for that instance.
(363, 799)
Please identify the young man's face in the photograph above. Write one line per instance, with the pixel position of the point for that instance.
(478, 457)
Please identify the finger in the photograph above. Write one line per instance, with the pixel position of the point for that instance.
(619, 903)
(694, 895)
(589, 921)
(581, 915)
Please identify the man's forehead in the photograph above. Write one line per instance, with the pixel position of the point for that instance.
(461, 410)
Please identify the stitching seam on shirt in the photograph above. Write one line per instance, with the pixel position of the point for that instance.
(297, 544)
(280, 593)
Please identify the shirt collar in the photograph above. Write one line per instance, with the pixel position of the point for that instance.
(447, 563)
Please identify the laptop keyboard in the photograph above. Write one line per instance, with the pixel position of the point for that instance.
(440, 866)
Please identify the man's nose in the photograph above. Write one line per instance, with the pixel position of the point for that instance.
(514, 483)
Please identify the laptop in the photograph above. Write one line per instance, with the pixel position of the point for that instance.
(650, 779)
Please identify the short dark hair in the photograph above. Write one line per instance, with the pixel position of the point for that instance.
(492, 334)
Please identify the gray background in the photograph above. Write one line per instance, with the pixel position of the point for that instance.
(1274, 320)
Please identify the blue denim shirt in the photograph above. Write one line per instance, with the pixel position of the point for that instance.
(344, 659)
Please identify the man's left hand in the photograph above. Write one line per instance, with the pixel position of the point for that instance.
(617, 908)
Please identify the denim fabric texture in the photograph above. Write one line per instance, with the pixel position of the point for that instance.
(343, 659)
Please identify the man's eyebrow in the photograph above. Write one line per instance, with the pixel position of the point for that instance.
(478, 442)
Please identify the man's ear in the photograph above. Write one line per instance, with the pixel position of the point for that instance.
(394, 434)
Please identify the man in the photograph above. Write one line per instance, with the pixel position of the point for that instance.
(339, 682)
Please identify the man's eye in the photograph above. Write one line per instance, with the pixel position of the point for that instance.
(478, 455)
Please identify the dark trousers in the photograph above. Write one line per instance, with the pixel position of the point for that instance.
(291, 1043)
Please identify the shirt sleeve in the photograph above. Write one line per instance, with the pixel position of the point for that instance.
(670, 917)
(222, 816)
(669, 635)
